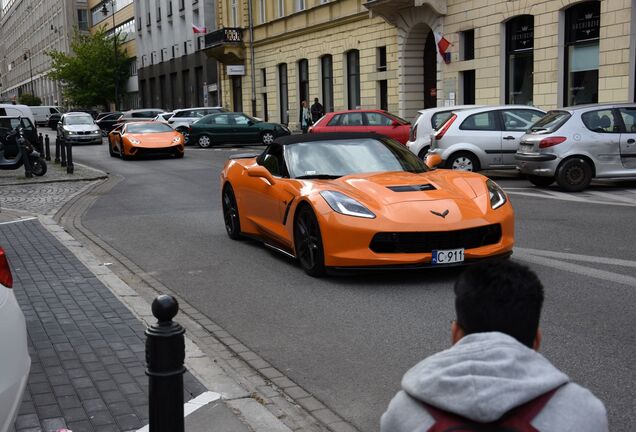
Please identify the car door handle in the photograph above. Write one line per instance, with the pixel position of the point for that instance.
(509, 137)
(631, 141)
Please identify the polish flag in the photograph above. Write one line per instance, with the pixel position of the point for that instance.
(198, 29)
(442, 46)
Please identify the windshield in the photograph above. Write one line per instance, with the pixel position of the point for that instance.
(78, 120)
(399, 119)
(148, 128)
(331, 159)
(549, 123)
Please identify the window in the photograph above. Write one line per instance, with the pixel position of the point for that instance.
(629, 119)
(281, 8)
(234, 12)
(158, 11)
(601, 121)
(303, 80)
(520, 119)
(237, 93)
(352, 119)
(381, 59)
(468, 86)
(283, 95)
(300, 5)
(326, 66)
(169, 12)
(181, 5)
(82, 19)
(262, 11)
(519, 60)
(222, 119)
(481, 121)
(263, 77)
(582, 29)
(438, 119)
(377, 119)
(468, 44)
(353, 79)
(384, 95)
(335, 120)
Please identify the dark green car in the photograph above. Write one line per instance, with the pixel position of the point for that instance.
(234, 127)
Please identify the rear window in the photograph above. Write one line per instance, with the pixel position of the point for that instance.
(601, 121)
(438, 119)
(551, 122)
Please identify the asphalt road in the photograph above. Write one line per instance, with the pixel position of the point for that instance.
(349, 339)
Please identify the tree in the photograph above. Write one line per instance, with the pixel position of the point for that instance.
(88, 74)
(29, 99)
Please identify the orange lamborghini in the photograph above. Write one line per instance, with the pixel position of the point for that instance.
(345, 200)
(144, 138)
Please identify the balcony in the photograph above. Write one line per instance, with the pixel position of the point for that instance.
(226, 45)
(391, 10)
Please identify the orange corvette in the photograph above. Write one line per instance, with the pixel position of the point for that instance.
(345, 200)
(144, 138)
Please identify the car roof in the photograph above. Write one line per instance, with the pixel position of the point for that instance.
(593, 106)
(361, 110)
(448, 108)
(326, 136)
(498, 107)
(197, 108)
(76, 113)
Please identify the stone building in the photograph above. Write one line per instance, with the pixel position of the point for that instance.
(382, 53)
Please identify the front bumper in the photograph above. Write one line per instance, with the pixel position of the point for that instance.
(83, 139)
(538, 164)
(147, 151)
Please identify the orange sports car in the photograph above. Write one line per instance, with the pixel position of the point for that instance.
(144, 138)
(360, 200)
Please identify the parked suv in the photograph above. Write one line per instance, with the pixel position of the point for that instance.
(42, 114)
(573, 145)
(427, 122)
(78, 128)
(483, 138)
(181, 119)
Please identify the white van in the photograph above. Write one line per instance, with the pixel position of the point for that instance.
(42, 114)
(10, 110)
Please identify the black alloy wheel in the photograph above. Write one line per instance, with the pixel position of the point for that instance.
(574, 175)
(231, 213)
(38, 166)
(541, 181)
(308, 242)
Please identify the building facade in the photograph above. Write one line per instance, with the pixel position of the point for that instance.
(383, 54)
(28, 29)
(120, 14)
(173, 70)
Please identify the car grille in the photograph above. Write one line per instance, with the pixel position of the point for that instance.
(426, 242)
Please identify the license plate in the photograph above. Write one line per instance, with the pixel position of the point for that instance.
(448, 256)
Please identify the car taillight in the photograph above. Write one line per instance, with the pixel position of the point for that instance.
(445, 127)
(551, 141)
(413, 133)
(5, 272)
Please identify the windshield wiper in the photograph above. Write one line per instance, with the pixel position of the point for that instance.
(318, 176)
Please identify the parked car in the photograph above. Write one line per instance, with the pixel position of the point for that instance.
(8, 124)
(163, 117)
(181, 119)
(576, 144)
(144, 114)
(42, 114)
(378, 121)
(483, 138)
(54, 119)
(144, 138)
(234, 127)
(15, 361)
(426, 122)
(108, 122)
(105, 113)
(10, 110)
(90, 111)
(78, 128)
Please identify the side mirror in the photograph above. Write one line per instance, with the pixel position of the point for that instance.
(262, 172)
(250, 123)
(432, 160)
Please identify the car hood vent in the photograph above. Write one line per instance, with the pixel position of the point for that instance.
(412, 188)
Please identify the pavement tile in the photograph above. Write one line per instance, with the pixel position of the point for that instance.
(26, 421)
(49, 411)
(53, 424)
(68, 402)
(87, 393)
(75, 414)
(120, 408)
(128, 421)
(27, 407)
(80, 426)
(101, 418)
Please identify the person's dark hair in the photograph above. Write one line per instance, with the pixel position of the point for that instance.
(500, 296)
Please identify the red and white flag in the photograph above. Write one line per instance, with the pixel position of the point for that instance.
(442, 45)
(198, 29)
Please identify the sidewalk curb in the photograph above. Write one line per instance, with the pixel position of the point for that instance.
(100, 175)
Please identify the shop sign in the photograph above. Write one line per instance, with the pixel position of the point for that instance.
(236, 69)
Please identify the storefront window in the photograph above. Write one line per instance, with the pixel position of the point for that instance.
(303, 80)
(582, 24)
(283, 99)
(326, 63)
(353, 79)
(520, 60)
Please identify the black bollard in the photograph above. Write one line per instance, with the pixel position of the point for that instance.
(62, 153)
(47, 147)
(57, 150)
(165, 354)
(40, 146)
(69, 158)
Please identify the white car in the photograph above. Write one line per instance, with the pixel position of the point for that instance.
(15, 362)
(427, 122)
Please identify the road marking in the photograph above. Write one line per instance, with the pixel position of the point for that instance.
(565, 197)
(193, 405)
(604, 275)
(577, 257)
(613, 196)
(17, 221)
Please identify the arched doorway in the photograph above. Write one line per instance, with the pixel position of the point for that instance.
(419, 70)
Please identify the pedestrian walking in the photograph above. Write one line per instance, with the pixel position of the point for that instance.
(305, 117)
(317, 111)
(493, 378)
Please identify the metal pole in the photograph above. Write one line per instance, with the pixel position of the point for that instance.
(31, 73)
(63, 152)
(69, 158)
(112, 6)
(165, 354)
(57, 150)
(252, 66)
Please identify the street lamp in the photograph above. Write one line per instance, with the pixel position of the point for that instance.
(27, 55)
(105, 12)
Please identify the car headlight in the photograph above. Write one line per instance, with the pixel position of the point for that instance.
(176, 139)
(497, 195)
(70, 133)
(341, 203)
(134, 141)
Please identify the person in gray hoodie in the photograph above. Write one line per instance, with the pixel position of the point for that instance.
(493, 366)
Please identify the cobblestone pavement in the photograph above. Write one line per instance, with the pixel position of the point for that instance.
(42, 198)
(87, 349)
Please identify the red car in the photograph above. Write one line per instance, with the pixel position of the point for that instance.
(378, 121)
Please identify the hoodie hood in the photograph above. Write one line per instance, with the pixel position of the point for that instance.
(482, 377)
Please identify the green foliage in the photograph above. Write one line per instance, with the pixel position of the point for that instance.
(29, 99)
(88, 73)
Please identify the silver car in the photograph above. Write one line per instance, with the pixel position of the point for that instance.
(576, 144)
(78, 128)
(483, 138)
